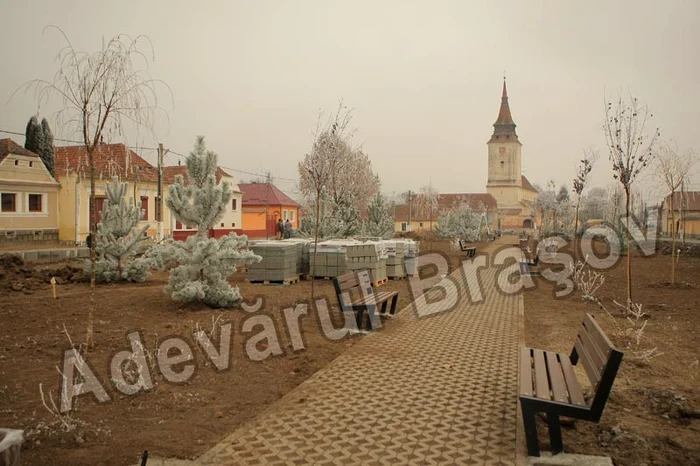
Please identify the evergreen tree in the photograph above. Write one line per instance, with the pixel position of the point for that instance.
(47, 149)
(118, 238)
(202, 264)
(460, 222)
(563, 194)
(34, 136)
(379, 223)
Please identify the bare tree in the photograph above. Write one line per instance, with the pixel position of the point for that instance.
(581, 180)
(426, 203)
(630, 151)
(101, 91)
(673, 169)
(331, 144)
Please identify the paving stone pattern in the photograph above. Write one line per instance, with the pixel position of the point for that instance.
(430, 390)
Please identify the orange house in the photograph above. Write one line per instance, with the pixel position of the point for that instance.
(263, 205)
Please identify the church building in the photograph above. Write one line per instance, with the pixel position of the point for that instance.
(513, 192)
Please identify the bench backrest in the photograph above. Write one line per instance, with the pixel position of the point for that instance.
(352, 286)
(600, 359)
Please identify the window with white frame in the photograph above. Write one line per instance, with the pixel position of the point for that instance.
(404, 225)
(284, 215)
(291, 215)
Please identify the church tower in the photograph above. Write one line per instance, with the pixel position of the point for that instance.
(505, 167)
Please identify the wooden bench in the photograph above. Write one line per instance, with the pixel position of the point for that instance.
(549, 385)
(464, 247)
(526, 265)
(355, 294)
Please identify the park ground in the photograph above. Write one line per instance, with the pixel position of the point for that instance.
(652, 417)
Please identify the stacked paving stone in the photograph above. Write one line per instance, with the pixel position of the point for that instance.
(279, 261)
(302, 250)
(330, 260)
(370, 255)
(396, 251)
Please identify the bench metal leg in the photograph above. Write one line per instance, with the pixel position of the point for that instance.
(394, 301)
(373, 319)
(554, 433)
(384, 304)
(533, 446)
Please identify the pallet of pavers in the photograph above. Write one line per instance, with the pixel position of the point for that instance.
(302, 251)
(396, 252)
(371, 255)
(278, 265)
(330, 261)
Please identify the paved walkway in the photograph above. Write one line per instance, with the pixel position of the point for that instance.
(432, 390)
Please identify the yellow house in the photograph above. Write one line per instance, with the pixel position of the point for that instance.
(421, 220)
(110, 160)
(29, 195)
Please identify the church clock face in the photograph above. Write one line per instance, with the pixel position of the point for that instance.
(502, 150)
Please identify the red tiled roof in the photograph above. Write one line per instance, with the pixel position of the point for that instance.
(110, 160)
(691, 198)
(264, 193)
(526, 184)
(447, 202)
(169, 173)
(8, 146)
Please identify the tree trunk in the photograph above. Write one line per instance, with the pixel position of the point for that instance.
(93, 254)
(629, 251)
(318, 222)
(576, 227)
(673, 243)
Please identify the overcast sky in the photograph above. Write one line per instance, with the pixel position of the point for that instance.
(424, 78)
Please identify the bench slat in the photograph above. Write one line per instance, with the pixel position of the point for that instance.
(585, 357)
(525, 371)
(556, 377)
(596, 359)
(598, 336)
(572, 385)
(377, 298)
(541, 379)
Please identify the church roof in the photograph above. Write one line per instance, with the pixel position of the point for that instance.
(504, 127)
(526, 184)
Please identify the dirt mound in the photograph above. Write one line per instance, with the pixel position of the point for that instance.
(18, 276)
(689, 250)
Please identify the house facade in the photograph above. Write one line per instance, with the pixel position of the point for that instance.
(28, 195)
(232, 220)
(413, 218)
(686, 214)
(110, 160)
(263, 205)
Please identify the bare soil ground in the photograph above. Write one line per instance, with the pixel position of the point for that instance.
(172, 420)
(653, 414)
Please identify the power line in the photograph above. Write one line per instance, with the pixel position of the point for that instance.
(155, 149)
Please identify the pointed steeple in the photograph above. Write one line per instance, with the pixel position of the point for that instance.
(504, 128)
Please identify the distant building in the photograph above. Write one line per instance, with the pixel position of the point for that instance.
(232, 220)
(506, 183)
(28, 195)
(686, 213)
(421, 220)
(263, 205)
(110, 160)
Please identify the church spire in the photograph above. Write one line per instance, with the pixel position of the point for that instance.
(504, 128)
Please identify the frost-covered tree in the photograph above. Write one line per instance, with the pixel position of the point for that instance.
(203, 264)
(334, 220)
(461, 222)
(379, 222)
(118, 238)
(581, 180)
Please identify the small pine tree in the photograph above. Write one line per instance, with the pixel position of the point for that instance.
(47, 150)
(203, 264)
(34, 136)
(118, 238)
(379, 223)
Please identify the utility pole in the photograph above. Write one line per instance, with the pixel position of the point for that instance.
(159, 200)
(410, 206)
